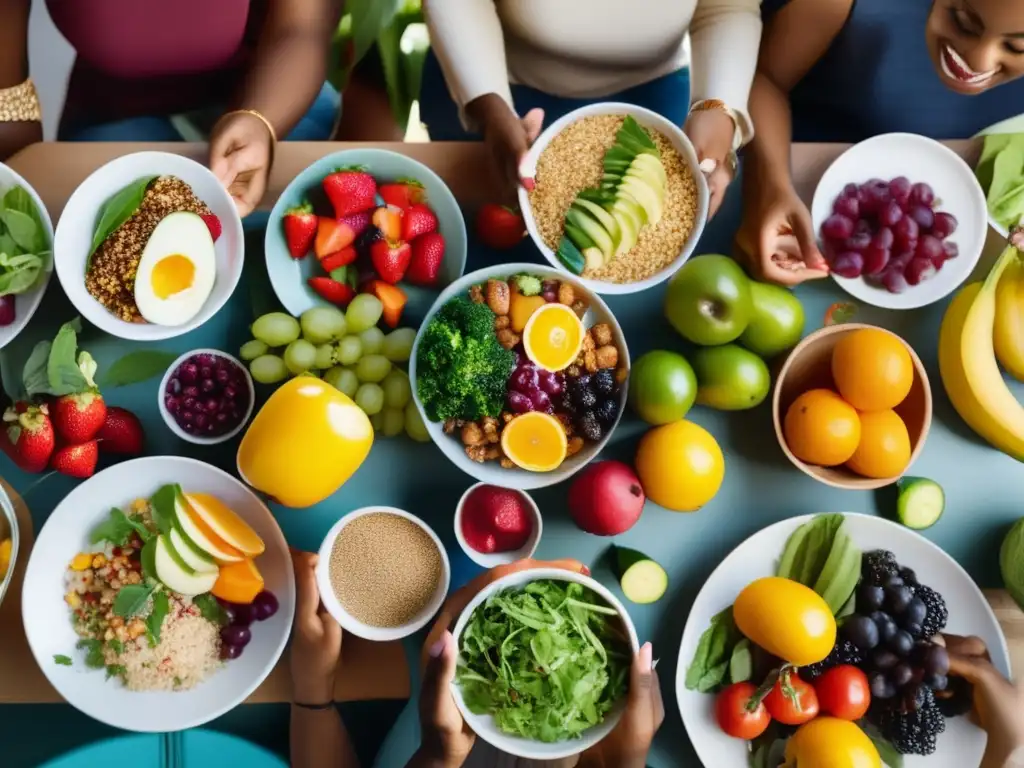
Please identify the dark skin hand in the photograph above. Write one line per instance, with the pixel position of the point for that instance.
(508, 137)
(14, 71)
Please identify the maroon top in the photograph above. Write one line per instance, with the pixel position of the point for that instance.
(136, 57)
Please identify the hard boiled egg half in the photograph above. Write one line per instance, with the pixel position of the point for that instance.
(177, 270)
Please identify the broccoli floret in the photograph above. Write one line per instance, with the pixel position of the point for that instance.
(528, 285)
(472, 319)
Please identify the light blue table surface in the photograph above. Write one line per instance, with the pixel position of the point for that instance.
(983, 486)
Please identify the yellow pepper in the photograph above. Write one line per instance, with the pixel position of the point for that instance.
(827, 742)
(787, 619)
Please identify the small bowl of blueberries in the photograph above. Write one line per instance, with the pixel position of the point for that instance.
(206, 396)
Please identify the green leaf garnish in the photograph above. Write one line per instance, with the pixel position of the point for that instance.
(162, 506)
(210, 609)
(118, 529)
(136, 367)
(93, 652)
(132, 599)
(116, 211)
(155, 620)
(64, 661)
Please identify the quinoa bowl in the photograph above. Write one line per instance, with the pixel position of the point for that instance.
(619, 200)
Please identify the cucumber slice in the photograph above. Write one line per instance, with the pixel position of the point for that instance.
(570, 256)
(920, 502)
(642, 580)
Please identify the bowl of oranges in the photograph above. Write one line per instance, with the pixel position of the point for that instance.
(852, 406)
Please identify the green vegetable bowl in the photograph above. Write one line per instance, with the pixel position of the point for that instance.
(544, 617)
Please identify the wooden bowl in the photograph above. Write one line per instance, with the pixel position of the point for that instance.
(809, 366)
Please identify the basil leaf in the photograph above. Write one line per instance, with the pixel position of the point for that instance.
(93, 652)
(131, 600)
(34, 375)
(7, 244)
(116, 670)
(155, 620)
(713, 678)
(116, 646)
(116, 211)
(19, 274)
(136, 367)
(62, 371)
(148, 558)
(22, 229)
(60, 658)
(118, 529)
(210, 609)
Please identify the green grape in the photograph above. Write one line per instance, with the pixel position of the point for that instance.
(397, 346)
(414, 426)
(276, 329)
(342, 379)
(324, 357)
(370, 397)
(377, 422)
(392, 422)
(373, 368)
(363, 312)
(349, 350)
(299, 356)
(322, 324)
(268, 369)
(253, 349)
(397, 390)
(373, 340)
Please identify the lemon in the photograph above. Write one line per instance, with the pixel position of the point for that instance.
(680, 465)
(553, 337)
(534, 441)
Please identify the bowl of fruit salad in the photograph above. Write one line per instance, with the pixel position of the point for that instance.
(520, 374)
(901, 219)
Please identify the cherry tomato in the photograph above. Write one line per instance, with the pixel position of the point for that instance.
(791, 701)
(734, 713)
(844, 692)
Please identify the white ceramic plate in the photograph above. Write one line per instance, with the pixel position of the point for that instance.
(956, 188)
(961, 745)
(77, 222)
(26, 304)
(47, 618)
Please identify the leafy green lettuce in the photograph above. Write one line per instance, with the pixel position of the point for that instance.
(25, 247)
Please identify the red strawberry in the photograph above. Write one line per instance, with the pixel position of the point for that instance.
(78, 460)
(340, 258)
(331, 290)
(331, 236)
(402, 193)
(77, 418)
(213, 224)
(418, 220)
(499, 227)
(388, 219)
(350, 190)
(390, 259)
(357, 222)
(29, 437)
(121, 433)
(300, 226)
(427, 255)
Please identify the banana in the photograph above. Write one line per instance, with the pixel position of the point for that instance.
(967, 364)
(1008, 337)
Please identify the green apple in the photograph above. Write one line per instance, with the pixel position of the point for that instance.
(730, 378)
(777, 322)
(662, 387)
(708, 301)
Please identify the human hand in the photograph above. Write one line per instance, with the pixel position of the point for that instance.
(711, 132)
(240, 155)
(508, 137)
(316, 637)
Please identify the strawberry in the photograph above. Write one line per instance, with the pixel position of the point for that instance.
(29, 437)
(391, 296)
(503, 513)
(76, 460)
(331, 236)
(499, 227)
(357, 222)
(427, 255)
(212, 224)
(77, 418)
(418, 220)
(341, 258)
(402, 193)
(121, 432)
(388, 220)
(390, 259)
(350, 190)
(331, 290)
(300, 227)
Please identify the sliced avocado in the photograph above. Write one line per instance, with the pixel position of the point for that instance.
(591, 253)
(652, 164)
(578, 219)
(647, 197)
(629, 231)
(642, 580)
(570, 256)
(601, 216)
(627, 204)
(635, 138)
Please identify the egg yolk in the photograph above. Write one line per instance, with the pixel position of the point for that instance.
(172, 274)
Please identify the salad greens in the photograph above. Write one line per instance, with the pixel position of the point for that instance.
(25, 247)
(1000, 172)
(709, 669)
(116, 211)
(547, 660)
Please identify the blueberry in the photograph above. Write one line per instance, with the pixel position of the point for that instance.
(870, 598)
(897, 598)
(914, 613)
(861, 631)
(901, 643)
(894, 581)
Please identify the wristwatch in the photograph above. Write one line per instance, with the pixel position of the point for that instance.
(706, 105)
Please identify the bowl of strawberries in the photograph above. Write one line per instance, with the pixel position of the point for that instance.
(365, 221)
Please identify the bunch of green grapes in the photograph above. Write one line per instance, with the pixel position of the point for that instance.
(349, 352)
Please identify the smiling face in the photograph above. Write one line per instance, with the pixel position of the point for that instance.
(976, 44)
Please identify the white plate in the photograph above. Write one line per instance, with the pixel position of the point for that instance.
(961, 745)
(77, 222)
(956, 188)
(47, 617)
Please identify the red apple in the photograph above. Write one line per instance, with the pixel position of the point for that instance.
(606, 498)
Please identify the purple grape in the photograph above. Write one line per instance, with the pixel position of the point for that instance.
(228, 652)
(930, 247)
(858, 243)
(894, 281)
(848, 264)
(919, 270)
(207, 385)
(837, 227)
(541, 401)
(230, 392)
(875, 260)
(172, 404)
(235, 635)
(550, 296)
(924, 217)
(863, 227)
(922, 194)
(206, 370)
(944, 225)
(851, 190)
(883, 238)
(188, 372)
(223, 375)
(220, 418)
(899, 188)
(230, 613)
(190, 391)
(185, 418)
(952, 250)
(524, 379)
(550, 382)
(243, 614)
(518, 402)
(889, 214)
(212, 405)
(200, 421)
(905, 232)
(7, 313)
(174, 386)
(265, 605)
(847, 206)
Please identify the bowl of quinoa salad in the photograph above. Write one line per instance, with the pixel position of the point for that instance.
(109, 633)
(101, 238)
(649, 213)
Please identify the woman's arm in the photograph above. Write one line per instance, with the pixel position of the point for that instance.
(319, 739)
(14, 71)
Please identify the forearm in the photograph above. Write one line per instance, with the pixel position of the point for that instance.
(319, 739)
(768, 154)
(14, 71)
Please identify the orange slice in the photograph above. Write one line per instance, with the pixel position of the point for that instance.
(226, 523)
(553, 337)
(238, 582)
(534, 441)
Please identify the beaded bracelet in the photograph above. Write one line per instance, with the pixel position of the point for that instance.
(20, 104)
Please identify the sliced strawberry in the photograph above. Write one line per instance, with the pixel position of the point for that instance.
(331, 236)
(402, 193)
(341, 258)
(300, 228)
(350, 190)
(390, 259)
(427, 255)
(213, 224)
(418, 220)
(331, 290)
(388, 219)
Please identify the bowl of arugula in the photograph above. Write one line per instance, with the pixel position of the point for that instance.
(565, 645)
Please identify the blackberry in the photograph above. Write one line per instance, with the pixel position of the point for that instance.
(604, 381)
(585, 398)
(908, 576)
(913, 732)
(937, 614)
(588, 426)
(844, 652)
(606, 412)
(878, 566)
(367, 238)
(565, 403)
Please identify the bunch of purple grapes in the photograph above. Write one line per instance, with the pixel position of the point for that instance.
(888, 232)
(207, 395)
(236, 634)
(532, 389)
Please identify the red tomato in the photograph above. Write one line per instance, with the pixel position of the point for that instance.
(844, 692)
(791, 701)
(735, 715)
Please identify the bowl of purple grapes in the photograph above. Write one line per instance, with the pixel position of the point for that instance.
(901, 220)
(206, 397)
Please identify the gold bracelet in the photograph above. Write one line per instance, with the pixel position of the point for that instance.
(20, 104)
(253, 113)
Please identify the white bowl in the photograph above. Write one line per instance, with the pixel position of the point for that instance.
(8, 528)
(500, 558)
(956, 190)
(652, 121)
(75, 232)
(199, 439)
(26, 304)
(349, 622)
(484, 725)
(46, 616)
(451, 446)
(969, 614)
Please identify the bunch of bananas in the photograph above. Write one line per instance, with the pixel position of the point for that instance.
(983, 327)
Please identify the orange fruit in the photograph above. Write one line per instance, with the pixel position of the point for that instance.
(821, 428)
(553, 337)
(238, 582)
(226, 523)
(680, 466)
(884, 449)
(535, 441)
(872, 369)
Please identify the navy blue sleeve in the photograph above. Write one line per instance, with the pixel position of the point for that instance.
(770, 7)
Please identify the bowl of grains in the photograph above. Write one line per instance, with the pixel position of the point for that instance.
(383, 573)
(618, 200)
(149, 246)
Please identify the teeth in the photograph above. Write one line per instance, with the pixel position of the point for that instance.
(975, 78)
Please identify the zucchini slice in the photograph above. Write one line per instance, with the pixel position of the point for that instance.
(920, 502)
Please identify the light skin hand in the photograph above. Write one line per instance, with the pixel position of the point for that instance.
(711, 131)
(240, 156)
(508, 136)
